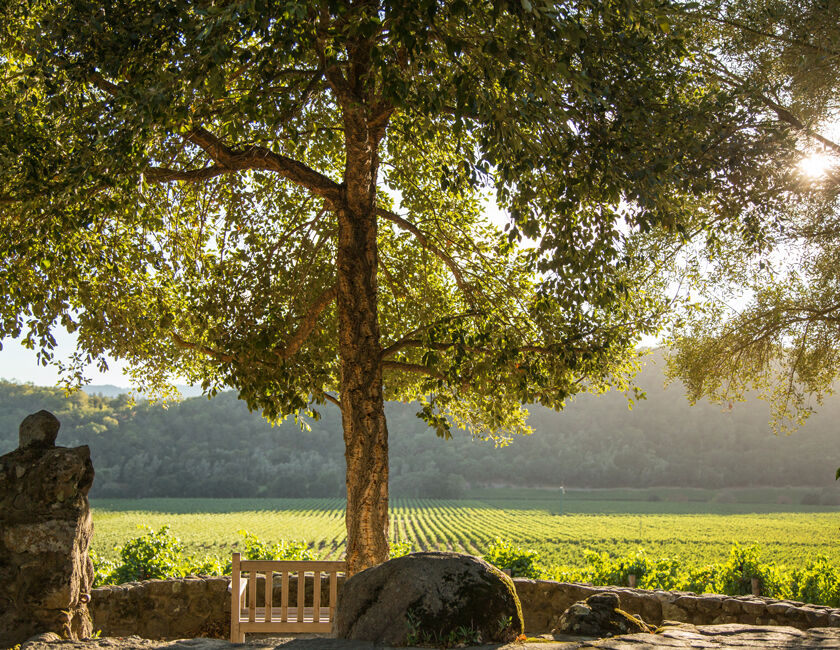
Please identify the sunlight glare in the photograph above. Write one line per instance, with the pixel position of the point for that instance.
(815, 166)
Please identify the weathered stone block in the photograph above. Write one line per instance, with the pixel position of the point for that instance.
(45, 532)
(673, 613)
(687, 603)
(724, 619)
(652, 610)
(816, 617)
(38, 429)
(731, 606)
(778, 609)
(709, 604)
(754, 607)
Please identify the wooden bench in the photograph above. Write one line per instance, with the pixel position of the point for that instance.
(316, 616)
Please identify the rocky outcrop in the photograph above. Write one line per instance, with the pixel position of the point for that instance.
(599, 615)
(429, 598)
(45, 532)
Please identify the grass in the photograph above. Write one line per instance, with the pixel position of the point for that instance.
(559, 526)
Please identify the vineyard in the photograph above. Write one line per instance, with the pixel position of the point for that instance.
(211, 527)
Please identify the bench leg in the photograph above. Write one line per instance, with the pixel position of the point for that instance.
(236, 635)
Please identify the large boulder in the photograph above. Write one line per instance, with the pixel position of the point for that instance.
(45, 532)
(431, 599)
(599, 615)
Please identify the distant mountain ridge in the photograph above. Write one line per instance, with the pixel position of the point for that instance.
(200, 447)
(109, 390)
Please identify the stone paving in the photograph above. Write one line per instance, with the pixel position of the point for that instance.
(711, 637)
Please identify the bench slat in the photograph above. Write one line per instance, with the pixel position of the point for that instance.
(269, 593)
(286, 627)
(301, 595)
(284, 598)
(292, 565)
(252, 596)
(308, 613)
(316, 596)
(333, 595)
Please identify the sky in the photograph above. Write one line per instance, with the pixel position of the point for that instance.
(21, 365)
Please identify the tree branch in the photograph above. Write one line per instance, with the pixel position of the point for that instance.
(210, 352)
(424, 241)
(332, 71)
(415, 368)
(417, 343)
(775, 37)
(396, 346)
(228, 159)
(308, 324)
(332, 399)
(166, 175)
(785, 115)
(412, 343)
(295, 342)
(259, 157)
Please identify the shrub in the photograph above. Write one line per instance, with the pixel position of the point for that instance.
(256, 549)
(398, 549)
(160, 555)
(153, 555)
(744, 564)
(103, 570)
(699, 579)
(522, 563)
(600, 569)
(818, 582)
(206, 566)
(564, 573)
(662, 573)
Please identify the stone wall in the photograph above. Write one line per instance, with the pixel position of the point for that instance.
(192, 607)
(543, 601)
(179, 608)
(159, 609)
(45, 532)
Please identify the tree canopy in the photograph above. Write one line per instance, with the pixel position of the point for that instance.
(770, 323)
(291, 199)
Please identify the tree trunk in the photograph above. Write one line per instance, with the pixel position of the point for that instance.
(362, 403)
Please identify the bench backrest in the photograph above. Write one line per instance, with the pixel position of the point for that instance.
(313, 616)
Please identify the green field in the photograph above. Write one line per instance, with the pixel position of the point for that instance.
(559, 526)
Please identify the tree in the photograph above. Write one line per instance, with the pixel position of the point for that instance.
(770, 323)
(290, 199)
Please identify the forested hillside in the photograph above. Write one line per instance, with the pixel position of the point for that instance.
(216, 448)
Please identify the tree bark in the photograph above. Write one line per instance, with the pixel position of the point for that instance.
(362, 403)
